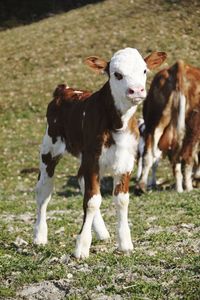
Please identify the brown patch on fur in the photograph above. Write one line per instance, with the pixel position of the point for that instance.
(133, 126)
(123, 186)
(168, 140)
(108, 140)
(63, 93)
(50, 162)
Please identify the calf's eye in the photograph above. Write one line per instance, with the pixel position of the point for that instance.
(145, 71)
(118, 76)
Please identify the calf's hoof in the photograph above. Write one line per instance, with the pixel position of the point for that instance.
(82, 247)
(125, 247)
(40, 241)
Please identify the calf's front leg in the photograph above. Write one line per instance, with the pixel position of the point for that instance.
(121, 198)
(91, 204)
(98, 223)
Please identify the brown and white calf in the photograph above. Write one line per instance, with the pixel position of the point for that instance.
(172, 118)
(102, 131)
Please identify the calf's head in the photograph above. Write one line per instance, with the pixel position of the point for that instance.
(127, 72)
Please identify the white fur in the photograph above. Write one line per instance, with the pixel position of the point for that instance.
(99, 227)
(130, 64)
(148, 162)
(119, 158)
(123, 231)
(179, 178)
(55, 149)
(84, 239)
(181, 118)
(188, 177)
(157, 135)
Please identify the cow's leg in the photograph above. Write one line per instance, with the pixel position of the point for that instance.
(157, 135)
(178, 176)
(98, 222)
(91, 204)
(148, 162)
(49, 157)
(188, 177)
(197, 172)
(188, 157)
(121, 198)
(141, 146)
(152, 180)
(139, 168)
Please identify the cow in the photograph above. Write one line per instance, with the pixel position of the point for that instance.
(101, 130)
(171, 113)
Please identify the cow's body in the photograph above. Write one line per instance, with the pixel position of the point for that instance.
(102, 131)
(172, 118)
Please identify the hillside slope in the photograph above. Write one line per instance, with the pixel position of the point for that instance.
(165, 226)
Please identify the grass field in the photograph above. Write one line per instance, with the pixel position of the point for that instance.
(165, 226)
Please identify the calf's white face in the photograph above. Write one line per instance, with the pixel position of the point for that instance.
(127, 78)
(127, 74)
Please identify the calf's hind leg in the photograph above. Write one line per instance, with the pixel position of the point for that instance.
(49, 157)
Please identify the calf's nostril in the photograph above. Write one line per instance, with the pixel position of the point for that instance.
(142, 90)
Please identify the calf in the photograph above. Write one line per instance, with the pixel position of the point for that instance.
(101, 130)
(172, 118)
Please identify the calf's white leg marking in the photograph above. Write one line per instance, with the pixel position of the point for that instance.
(123, 231)
(99, 227)
(84, 239)
(98, 222)
(44, 190)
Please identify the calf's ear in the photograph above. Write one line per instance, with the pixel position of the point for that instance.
(155, 59)
(97, 64)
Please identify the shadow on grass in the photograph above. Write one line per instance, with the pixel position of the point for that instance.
(71, 188)
(14, 13)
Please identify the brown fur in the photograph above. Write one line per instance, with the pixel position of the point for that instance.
(123, 186)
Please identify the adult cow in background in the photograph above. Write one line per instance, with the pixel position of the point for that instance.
(172, 118)
(101, 130)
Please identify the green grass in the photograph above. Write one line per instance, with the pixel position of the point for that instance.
(165, 226)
